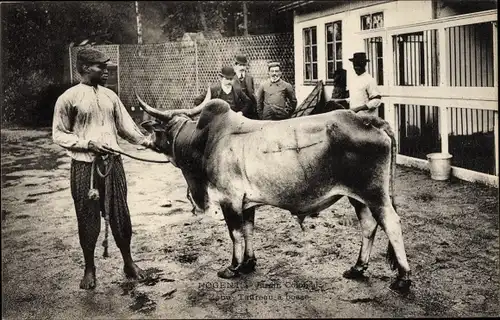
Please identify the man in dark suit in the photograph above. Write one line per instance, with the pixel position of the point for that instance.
(225, 90)
(245, 81)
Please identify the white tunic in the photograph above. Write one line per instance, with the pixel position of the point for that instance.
(362, 90)
(83, 113)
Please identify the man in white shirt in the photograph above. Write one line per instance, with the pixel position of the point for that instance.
(88, 118)
(364, 95)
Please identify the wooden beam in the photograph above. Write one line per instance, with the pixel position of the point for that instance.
(495, 128)
(245, 19)
(139, 24)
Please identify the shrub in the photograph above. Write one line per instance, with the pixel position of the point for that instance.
(29, 99)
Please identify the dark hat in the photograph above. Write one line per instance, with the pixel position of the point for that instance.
(227, 72)
(241, 59)
(273, 64)
(89, 55)
(359, 57)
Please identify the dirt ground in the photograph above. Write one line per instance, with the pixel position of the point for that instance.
(451, 232)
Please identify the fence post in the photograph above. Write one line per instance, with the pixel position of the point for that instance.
(118, 70)
(443, 82)
(443, 124)
(196, 66)
(443, 67)
(495, 54)
(388, 74)
(70, 66)
(495, 128)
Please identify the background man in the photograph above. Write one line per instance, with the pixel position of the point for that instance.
(275, 97)
(245, 81)
(363, 92)
(238, 101)
(87, 118)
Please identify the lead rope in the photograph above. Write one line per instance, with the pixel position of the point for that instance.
(135, 157)
(94, 195)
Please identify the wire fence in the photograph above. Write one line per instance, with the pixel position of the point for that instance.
(170, 75)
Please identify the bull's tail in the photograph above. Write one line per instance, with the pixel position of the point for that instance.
(392, 171)
(394, 152)
(391, 254)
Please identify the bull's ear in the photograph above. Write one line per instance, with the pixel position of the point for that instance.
(148, 125)
(152, 125)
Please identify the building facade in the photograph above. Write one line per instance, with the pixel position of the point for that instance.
(435, 63)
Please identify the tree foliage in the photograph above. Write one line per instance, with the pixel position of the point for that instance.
(36, 35)
(35, 39)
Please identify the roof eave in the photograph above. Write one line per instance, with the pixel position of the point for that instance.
(294, 5)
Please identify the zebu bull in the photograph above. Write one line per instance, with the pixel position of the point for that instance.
(233, 164)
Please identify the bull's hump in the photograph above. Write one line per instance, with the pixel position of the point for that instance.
(214, 108)
(355, 131)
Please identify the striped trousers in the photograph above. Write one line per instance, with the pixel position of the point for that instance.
(112, 201)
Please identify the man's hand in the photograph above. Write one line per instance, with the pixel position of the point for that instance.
(148, 141)
(363, 107)
(97, 147)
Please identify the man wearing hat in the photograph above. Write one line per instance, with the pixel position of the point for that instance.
(225, 90)
(275, 97)
(88, 118)
(246, 82)
(364, 95)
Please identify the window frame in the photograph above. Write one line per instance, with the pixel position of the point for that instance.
(308, 78)
(376, 65)
(371, 18)
(334, 42)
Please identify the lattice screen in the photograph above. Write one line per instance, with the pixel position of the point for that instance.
(171, 75)
(162, 74)
(260, 50)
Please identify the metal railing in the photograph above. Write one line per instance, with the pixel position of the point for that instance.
(472, 139)
(440, 91)
(418, 130)
(470, 53)
(415, 58)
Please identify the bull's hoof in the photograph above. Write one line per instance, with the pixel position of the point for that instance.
(248, 266)
(401, 286)
(228, 273)
(354, 273)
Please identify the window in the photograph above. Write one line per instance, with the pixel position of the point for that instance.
(310, 54)
(373, 49)
(416, 59)
(372, 21)
(333, 48)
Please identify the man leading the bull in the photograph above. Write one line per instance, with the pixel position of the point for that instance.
(88, 118)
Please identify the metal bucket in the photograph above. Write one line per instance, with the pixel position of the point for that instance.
(440, 165)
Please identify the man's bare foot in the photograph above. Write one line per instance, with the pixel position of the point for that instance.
(88, 281)
(134, 272)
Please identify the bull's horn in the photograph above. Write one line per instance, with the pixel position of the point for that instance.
(161, 115)
(199, 108)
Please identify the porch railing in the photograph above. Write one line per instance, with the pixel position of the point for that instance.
(440, 82)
